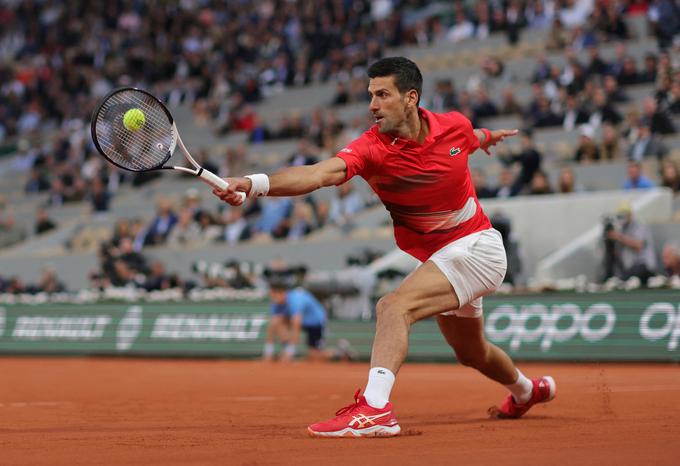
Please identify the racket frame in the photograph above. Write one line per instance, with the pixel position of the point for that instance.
(205, 175)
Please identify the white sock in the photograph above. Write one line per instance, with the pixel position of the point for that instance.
(377, 392)
(521, 389)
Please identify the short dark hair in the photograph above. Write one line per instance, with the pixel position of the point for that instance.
(406, 73)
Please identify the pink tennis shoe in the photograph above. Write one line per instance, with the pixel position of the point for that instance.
(358, 420)
(544, 390)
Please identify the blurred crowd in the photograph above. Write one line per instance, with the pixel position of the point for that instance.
(191, 225)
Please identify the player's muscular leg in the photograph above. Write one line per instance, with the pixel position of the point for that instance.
(424, 293)
(466, 336)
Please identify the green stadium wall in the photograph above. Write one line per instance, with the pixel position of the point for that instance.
(634, 326)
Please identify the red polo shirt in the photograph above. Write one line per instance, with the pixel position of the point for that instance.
(426, 187)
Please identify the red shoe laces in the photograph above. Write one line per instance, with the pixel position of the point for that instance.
(350, 407)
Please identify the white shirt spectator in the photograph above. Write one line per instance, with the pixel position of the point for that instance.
(576, 13)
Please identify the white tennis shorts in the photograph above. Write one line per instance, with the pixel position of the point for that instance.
(475, 266)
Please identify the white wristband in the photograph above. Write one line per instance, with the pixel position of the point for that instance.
(260, 185)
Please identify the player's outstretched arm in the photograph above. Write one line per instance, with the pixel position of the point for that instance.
(291, 181)
(487, 138)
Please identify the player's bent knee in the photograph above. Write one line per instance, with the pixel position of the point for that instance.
(390, 306)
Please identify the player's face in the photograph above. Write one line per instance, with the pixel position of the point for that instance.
(389, 107)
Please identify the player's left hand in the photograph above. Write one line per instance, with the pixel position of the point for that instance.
(497, 136)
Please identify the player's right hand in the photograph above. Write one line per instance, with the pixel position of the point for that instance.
(230, 195)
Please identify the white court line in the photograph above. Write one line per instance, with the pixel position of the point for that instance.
(254, 398)
(639, 388)
(31, 404)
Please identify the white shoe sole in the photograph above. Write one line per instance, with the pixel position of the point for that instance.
(375, 431)
(553, 387)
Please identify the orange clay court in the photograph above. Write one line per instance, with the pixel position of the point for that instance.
(67, 411)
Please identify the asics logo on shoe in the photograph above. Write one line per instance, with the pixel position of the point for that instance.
(362, 420)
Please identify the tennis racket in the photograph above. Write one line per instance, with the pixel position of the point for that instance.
(133, 130)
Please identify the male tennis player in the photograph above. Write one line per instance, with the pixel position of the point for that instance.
(417, 163)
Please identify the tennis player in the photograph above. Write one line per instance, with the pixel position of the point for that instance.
(417, 163)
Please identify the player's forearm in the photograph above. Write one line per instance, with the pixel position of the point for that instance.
(294, 181)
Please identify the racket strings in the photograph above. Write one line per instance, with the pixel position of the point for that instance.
(144, 148)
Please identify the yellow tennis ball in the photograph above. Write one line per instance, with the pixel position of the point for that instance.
(134, 119)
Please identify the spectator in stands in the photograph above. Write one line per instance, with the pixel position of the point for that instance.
(543, 115)
(670, 175)
(186, 232)
(629, 248)
(43, 222)
(538, 16)
(614, 93)
(610, 21)
(670, 259)
(628, 75)
(663, 92)
(597, 65)
(10, 232)
(574, 113)
(209, 230)
(236, 227)
(444, 98)
(192, 202)
(344, 206)
(509, 104)
(482, 188)
(603, 111)
(233, 160)
(540, 184)
(135, 261)
(587, 150)
(162, 224)
(159, 279)
(462, 28)
(566, 183)
(610, 148)
(650, 69)
(674, 98)
(56, 196)
(656, 118)
(306, 154)
(99, 196)
(664, 15)
(484, 107)
(558, 36)
(301, 222)
(636, 178)
(271, 220)
(49, 282)
(506, 181)
(646, 144)
(37, 181)
(528, 159)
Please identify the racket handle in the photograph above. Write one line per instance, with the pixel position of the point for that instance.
(217, 182)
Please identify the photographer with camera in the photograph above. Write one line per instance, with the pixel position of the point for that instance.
(629, 248)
